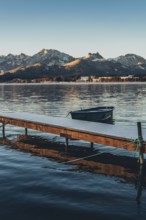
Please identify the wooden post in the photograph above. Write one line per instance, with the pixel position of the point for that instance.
(139, 183)
(92, 144)
(66, 144)
(140, 139)
(3, 130)
(26, 131)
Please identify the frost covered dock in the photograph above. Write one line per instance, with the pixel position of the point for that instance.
(106, 134)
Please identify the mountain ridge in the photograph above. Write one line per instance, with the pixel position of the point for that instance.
(53, 63)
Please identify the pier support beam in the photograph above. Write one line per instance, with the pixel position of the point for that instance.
(26, 131)
(92, 146)
(140, 139)
(66, 144)
(3, 130)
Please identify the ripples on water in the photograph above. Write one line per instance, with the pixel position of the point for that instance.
(32, 187)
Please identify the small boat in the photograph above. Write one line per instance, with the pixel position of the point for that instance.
(98, 114)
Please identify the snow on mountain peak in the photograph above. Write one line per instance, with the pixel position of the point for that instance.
(54, 57)
(129, 60)
(93, 57)
(43, 51)
(50, 57)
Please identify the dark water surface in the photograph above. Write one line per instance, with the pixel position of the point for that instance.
(33, 187)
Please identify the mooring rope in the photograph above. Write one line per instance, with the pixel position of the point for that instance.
(82, 158)
(93, 155)
(67, 114)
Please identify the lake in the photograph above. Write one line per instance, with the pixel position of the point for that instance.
(35, 187)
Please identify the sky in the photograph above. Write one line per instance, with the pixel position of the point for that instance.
(75, 27)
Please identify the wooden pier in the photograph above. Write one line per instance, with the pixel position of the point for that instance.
(106, 134)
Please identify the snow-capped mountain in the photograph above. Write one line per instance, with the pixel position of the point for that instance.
(53, 63)
(12, 61)
(129, 60)
(93, 57)
(90, 57)
(49, 57)
(96, 67)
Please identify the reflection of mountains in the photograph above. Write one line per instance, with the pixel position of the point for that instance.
(126, 168)
(58, 99)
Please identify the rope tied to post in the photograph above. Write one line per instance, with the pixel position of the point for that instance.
(137, 143)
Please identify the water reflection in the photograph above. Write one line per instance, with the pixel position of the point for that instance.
(105, 186)
(126, 169)
(129, 100)
(140, 183)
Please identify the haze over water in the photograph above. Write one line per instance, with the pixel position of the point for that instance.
(33, 187)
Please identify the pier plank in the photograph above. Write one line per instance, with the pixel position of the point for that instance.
(107, 134)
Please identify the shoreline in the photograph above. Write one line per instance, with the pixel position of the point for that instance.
(71, 83)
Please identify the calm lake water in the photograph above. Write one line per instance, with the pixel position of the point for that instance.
(33, 187)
